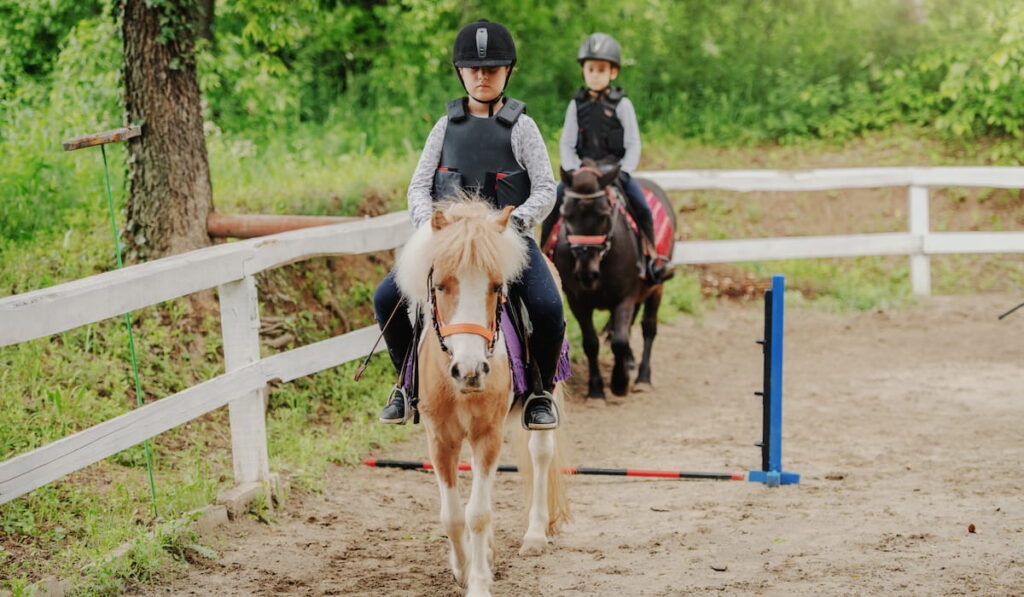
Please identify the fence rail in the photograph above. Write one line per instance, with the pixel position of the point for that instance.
(231, 268)
(917, 243)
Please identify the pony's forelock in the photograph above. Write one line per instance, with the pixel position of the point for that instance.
(471, 241)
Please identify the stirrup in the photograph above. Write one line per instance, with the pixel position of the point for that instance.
(554, 407)
(399, 393)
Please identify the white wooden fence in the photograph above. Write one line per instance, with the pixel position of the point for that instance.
(918, 242)
(231, 267)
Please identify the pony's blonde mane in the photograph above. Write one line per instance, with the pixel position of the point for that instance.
(473, 240)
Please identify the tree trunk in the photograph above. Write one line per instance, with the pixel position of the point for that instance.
(169, 176)
(206, 20)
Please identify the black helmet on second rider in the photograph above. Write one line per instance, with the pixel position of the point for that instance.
(483, 44)
(600, 46)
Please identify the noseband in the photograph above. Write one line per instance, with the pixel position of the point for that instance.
(444, 330)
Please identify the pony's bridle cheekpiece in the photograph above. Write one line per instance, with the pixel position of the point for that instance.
(444, 330)
(601, 242)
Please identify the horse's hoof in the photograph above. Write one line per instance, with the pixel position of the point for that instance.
(457, 571)
(533, 546)
(620, 390)
(642, 386)
(595, 402)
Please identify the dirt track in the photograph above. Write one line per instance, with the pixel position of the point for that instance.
(906, 427)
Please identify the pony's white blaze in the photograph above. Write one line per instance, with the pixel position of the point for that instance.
(469, 351)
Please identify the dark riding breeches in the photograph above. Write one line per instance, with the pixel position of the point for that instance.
(535, 286)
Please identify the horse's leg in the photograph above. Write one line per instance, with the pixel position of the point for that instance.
(486, 448)
(542, 451)
(650, 328)
(444, 453)
(585, 316)
(622, 317)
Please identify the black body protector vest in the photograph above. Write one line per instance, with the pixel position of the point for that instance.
(600, 134)
(477, 157)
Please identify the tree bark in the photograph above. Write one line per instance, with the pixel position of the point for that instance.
(206, 20)
(170, 195)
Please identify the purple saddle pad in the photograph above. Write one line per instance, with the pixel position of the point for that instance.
(514, 346)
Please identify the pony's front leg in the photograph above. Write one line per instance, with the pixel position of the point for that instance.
(591, 345)
(542, 451)
(650, 328)
(622, 317)
(479, 514)
(445, 456)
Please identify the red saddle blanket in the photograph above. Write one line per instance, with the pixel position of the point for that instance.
(662, 226)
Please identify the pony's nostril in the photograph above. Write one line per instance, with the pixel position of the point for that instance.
(485, 368)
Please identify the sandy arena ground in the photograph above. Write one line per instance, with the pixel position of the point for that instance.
(906, 428)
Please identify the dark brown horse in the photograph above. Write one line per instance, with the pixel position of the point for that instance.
(598, 257)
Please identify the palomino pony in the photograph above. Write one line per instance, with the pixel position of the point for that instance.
(456, 271)
(598, 257)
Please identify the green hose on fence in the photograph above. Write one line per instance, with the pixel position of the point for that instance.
(128, 325)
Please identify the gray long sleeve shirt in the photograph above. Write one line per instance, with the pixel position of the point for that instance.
(527, 147)
(630, 133)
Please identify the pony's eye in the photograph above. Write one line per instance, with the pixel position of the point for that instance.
(440, 287)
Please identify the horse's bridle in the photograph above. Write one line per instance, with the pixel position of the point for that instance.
(444, 330)
(600, 242)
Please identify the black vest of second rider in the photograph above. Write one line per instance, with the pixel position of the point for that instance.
(600, 135)
(477, 156)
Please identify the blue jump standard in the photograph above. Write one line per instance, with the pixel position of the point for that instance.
(771, 444)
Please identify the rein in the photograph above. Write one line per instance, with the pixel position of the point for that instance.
(444, 330)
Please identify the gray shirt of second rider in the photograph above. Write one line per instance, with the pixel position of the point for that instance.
(527, 147)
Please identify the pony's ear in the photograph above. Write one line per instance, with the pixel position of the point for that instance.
(566, 177)
(439, 220)
(608, 177)
(503, 217)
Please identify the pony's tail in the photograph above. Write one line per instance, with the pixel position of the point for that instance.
(558, 502)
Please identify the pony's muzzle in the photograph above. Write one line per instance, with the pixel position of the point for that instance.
(470, 378)
(589, 277)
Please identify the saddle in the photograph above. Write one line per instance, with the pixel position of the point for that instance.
(515, 331)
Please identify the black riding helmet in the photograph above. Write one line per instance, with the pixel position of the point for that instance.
(482, 44)
(600, 46)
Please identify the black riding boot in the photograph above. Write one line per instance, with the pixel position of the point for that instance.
(397, 410)
(398, 334)
(540, 410)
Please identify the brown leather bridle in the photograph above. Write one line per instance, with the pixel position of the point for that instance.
(443, 330)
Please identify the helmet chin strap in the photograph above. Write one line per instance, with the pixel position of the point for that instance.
(490, 103)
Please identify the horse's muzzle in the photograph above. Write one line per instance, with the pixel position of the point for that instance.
(468, 378)
(589, 279)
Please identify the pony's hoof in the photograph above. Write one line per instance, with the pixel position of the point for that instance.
(642, 386)
(595, 402)
(478, 591)
(458, 572)
(533, 546)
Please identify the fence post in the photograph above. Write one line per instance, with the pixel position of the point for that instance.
(920, 264)
(240, 325)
